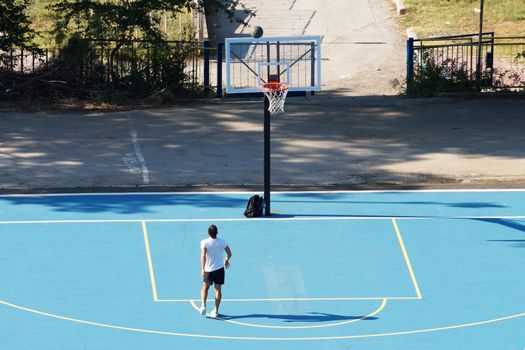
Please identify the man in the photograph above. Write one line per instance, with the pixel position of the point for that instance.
(212, 267)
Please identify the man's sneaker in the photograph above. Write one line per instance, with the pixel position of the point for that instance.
(202, 310)
(214, 314)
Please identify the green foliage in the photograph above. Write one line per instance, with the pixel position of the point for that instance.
(143, 67)
(508, 80)
(15, 31)
(107, 71)
(111, 50)
(431, 77)
(131, 53)
(42, 18)
(75, 54)
(177, 25)
(123, 20)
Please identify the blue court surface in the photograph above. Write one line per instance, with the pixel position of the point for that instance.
(329, 270)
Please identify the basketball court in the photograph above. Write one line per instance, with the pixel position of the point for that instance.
(321, 270)
(327, 270)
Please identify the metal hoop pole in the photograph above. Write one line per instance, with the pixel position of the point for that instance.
(480, 45)
(267, 172)
(267, 158)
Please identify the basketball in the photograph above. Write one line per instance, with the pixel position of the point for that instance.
(257, 32)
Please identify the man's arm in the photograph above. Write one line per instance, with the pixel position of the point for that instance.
(203, 260)
(228, 256)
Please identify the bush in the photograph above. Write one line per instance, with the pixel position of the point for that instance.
(431, 77)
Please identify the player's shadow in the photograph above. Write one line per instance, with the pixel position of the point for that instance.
(314, 317)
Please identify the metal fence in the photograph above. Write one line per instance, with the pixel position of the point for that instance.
(110, 61)
(26, 61)
(501, 63)
(144, 57)
(509, 62)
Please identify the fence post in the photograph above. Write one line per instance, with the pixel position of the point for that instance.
(206, 63)
(21, 60)
(410, 61)
(491, 78)
(220, 47)
(312, 69)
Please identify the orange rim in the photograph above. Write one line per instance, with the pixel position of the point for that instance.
(274, 87)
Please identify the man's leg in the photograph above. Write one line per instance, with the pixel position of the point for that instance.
(204, 296)
(218, 296)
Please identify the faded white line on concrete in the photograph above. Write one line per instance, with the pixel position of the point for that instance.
(138, 152)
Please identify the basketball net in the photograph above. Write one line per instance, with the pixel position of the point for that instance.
(276, 93)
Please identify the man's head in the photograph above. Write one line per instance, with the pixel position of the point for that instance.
(212, 231)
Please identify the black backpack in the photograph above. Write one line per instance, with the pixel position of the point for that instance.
(254, 207)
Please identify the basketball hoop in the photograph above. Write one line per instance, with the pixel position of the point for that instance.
(276, 93)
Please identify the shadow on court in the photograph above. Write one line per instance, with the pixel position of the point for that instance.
(315, 317)
(513, 224)
(132, 204)
(448, 204)
(515, 243)
(507, 223)
(128, 204)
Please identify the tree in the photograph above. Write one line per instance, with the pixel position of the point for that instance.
(15, 30)
(120, 19)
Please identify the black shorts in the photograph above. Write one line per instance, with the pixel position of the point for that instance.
(216, 277)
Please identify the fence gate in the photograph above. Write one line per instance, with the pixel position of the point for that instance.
(459, 53)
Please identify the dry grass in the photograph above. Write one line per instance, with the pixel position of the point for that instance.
(449, 17)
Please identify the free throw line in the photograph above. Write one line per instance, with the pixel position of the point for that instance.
(241, 300)
(407, 260)
(150, 264)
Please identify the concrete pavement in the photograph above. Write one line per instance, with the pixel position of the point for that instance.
(363, 46)
(392, 142)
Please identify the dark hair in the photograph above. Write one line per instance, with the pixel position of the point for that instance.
(212, 231)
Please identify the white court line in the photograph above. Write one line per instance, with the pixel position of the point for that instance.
(218, 192)
(246, 324)
(14, 222)
(288, 299)
(211, 336)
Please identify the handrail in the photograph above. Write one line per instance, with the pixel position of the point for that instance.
(474, 43)
(453, 37)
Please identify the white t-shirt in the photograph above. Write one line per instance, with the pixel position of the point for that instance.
(214, 253)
